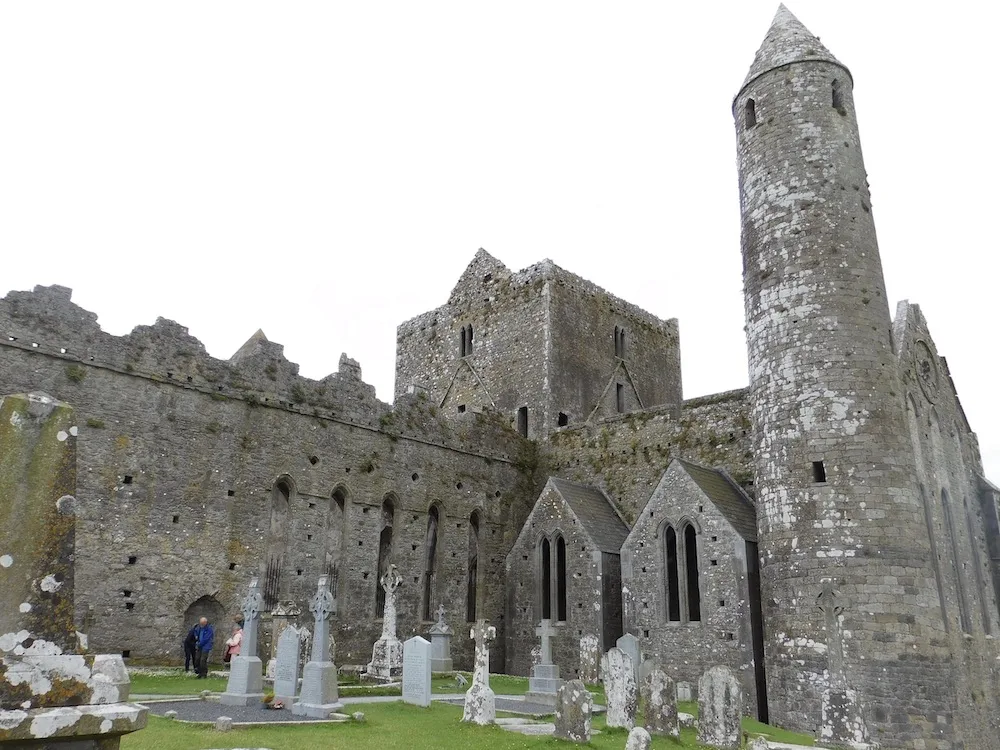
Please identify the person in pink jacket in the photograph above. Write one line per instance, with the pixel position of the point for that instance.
(233, 643)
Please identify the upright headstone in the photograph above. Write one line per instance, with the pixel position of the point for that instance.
(590, 659)
(720, 708)
(638, 739)
(544, 681)
(417, 671)
(480, 701)
(246, 684)
(387, 653)
(51, 692)
(620, 689)
(305, 646)
(440, 644)
(659, 704)
(284, 615)
(574, 707)
(684, 691)
(630, 645)
(286, 673)
(319, 697)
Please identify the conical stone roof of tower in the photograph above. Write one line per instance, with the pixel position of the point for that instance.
(787, 41)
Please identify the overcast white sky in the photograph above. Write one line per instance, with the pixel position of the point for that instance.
(326, 170)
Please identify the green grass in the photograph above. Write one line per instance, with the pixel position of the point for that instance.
(388, 726)
(175, 684)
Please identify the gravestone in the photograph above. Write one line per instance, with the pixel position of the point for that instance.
(480, 701)
(720, 708)
(659, 699)
(684, 691)
(758, 743)
(630, 645)
(286, 673)
(620, 689)
(590, 659)
(319, 697)
(417, 671)
(305, 646)
(440, 644)
(387, 653)
(574, 707)
(284, 614)
(246, 686)
(645, 669)
(638, 739)
(43, 666)
(544, 681)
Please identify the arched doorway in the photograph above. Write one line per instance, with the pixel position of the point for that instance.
(210, 607)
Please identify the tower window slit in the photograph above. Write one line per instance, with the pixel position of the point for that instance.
(819, 472)
(749, 115)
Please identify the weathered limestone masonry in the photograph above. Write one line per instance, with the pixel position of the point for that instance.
(627, 454)
(196, 473)
(52, 693)
(838, 488)
(683, 633)
(543, 340)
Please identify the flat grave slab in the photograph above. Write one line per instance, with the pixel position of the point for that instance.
(209, 711)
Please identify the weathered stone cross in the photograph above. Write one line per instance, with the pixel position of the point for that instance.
(483, 634)
(831, 603)
(440, 614)
(545, 631)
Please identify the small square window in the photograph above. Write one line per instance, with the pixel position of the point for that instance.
(127, 479)
(132, 559)
(819, 472)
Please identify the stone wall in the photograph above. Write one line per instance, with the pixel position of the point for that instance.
(179, 454)
(543, 339)
(584, 594)
(685, 649)
(626, 455)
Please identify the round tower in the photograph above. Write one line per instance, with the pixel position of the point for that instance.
(848, 592)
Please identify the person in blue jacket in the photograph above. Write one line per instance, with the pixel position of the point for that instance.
(191, 649)
(206, 639)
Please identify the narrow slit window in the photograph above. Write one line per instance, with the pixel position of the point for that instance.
(691, 569)
(472, 580)
(546, 571)
(837, 97)
(819, 472)
(750, 114)
(673, 593)
(563, 419)
(561, 580)
(522, 421)
(462, 342)
(468, 342)
(620, 397)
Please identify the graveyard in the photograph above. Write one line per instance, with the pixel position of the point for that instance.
(541, 542)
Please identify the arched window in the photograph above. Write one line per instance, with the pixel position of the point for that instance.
(275, 584)
(468, 341)
(472, 575)
(963, 603)
(384, 553)
(977, 568)
(691, 572)
(673, 594)
(462, 342)
(545, 563)
(430, 553)
(561, 579)
(337, 523)
(749, 114)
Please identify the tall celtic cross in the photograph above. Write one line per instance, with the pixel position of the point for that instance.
(545, 631)
(832, 605)
(321, 605)
(251, 607)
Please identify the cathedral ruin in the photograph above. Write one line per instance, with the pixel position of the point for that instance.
(826, 532)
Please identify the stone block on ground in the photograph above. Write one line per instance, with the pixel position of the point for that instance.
(223, 724)
(638, 739)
